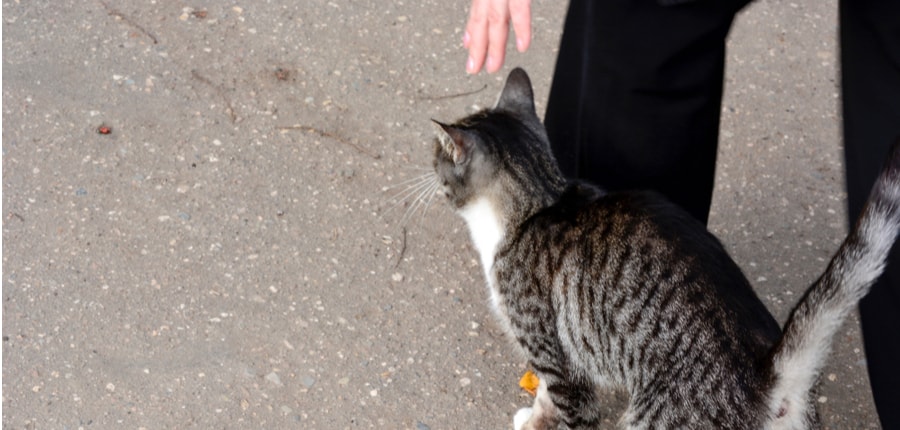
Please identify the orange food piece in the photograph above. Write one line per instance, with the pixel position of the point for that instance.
(529, 382)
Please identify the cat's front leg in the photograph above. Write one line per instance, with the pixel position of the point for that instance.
(521, 417)
(560, 404)
(541, 415)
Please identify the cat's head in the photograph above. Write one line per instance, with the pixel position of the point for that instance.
(501, 154)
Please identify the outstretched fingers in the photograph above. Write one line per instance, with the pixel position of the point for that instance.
(487, 32)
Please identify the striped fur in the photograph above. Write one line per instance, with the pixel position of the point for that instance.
(625, 289)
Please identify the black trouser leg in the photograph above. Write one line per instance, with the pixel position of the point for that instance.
(636, 96)
(870, 67)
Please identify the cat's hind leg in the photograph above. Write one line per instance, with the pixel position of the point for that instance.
(578, 405)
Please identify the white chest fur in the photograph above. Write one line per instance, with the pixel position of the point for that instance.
(486, 230)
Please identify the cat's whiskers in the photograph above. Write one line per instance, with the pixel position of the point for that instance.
(421, 199)
(434, 192)
(417, 192)
(411, 187)
(405, 183)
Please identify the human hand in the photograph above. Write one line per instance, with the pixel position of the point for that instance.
(488, 28)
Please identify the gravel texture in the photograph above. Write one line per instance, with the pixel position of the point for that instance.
(200, 227)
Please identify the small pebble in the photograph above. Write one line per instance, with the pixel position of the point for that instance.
(823, 399)
(422, 426)
(308, 381)
(274, 378)
(465, 382)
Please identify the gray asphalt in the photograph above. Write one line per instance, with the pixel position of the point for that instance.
(232, 255)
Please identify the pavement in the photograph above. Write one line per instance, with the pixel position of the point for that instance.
(231, 254)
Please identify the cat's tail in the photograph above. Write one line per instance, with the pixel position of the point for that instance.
(798, 358)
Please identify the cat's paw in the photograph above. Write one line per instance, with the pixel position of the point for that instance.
(521, 417)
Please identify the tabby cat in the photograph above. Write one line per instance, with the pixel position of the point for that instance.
(626, 290)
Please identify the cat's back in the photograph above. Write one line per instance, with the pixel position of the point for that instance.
(632, 241)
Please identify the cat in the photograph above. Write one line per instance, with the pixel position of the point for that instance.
(624, 289)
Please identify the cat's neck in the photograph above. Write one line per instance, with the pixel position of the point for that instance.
(489, 225)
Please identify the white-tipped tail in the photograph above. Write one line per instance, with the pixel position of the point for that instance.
(801, 353)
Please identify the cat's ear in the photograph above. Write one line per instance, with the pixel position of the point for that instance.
(517, 95)
(457, 143)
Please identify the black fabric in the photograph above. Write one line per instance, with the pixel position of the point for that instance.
(636, 96)
(870, 67)
(635, 104)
